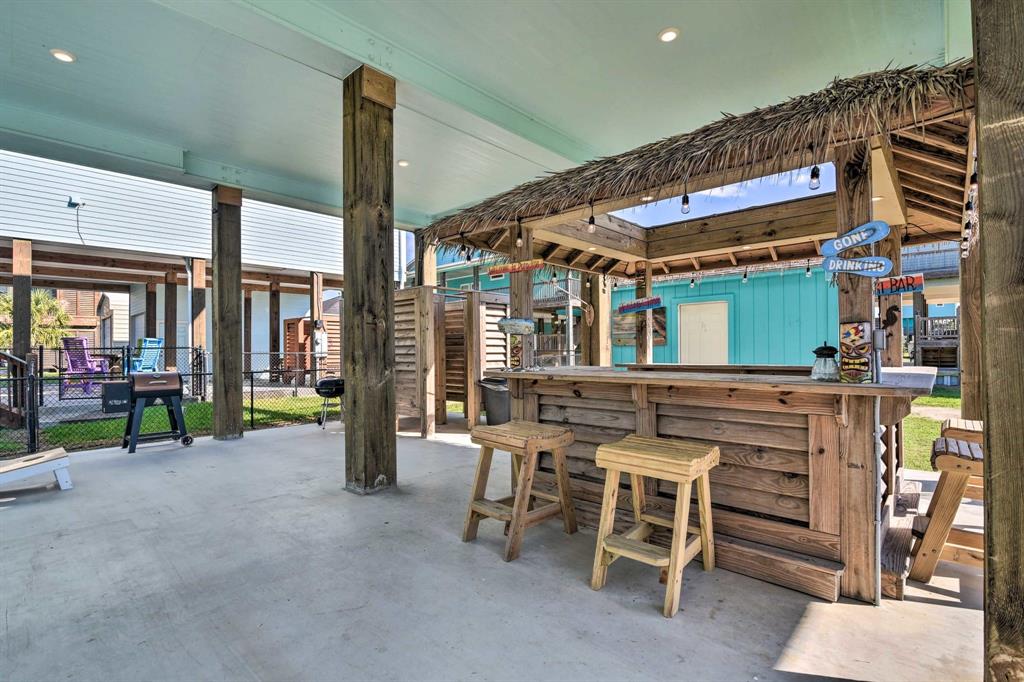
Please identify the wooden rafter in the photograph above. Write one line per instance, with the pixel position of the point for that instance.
(919, 152)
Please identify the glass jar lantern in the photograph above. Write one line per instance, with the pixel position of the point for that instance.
(825, 366)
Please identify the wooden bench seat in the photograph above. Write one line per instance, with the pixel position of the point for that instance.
(969, 430)
(961, 465)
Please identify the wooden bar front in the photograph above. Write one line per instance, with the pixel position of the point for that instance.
(778, 501)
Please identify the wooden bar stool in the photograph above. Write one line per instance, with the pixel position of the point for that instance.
(970, 430)
(525, 440)
(682, 461)
(961, 465)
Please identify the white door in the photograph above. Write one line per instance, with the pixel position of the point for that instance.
(704, 333)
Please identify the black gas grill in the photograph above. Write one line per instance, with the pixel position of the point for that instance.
(149, 389)
(329, 388)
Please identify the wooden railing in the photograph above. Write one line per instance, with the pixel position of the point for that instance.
(938, 328)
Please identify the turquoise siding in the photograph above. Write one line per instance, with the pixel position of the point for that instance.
(774, 319)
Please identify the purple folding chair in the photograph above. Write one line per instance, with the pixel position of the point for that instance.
(82, 367)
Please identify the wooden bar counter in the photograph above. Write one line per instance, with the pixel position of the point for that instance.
(794, 497)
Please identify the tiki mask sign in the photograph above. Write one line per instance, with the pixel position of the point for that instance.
(855, 349)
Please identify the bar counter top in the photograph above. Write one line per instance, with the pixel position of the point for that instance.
(901, 382)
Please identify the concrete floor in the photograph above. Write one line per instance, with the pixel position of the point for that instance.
(247, 560)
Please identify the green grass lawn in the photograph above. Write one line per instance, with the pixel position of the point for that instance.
(198, 418)
(942, 396)
(918, 434)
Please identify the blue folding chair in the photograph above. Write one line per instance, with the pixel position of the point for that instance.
(147, 356)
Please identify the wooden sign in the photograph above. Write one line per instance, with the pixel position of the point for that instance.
(855, 349)
(519, 266)
(640, 305)
(868, 233)
(900, 284)
(868, 266)
(515, 325)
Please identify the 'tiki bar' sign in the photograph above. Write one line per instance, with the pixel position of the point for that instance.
(900, 284)
(868, 266)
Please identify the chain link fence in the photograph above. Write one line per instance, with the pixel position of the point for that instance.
(59, 405)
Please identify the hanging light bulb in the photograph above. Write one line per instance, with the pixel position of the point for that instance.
(519, 241)
(588, 283)
(684, 207)
(969, 206)
(974, 180)
(815, 182)
(745, 275)
(591, 224)
(807, 270)
(693, 282)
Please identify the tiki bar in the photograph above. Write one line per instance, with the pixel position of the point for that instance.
(801, 466)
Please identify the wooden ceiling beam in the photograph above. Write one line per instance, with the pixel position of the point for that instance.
(774, 225)
(74, 285)
(612, 236)
(907, 166)
(922, 186)
(937, 138)
(933, 210)
(732, 257)
(913, 150)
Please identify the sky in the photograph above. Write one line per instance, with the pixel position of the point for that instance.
(771, 189)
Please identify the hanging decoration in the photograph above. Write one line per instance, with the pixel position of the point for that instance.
(515, 325)
(868, 233)
(900, 284)
(868, 266)
(855, 353)
(518, 266)
(640, 305)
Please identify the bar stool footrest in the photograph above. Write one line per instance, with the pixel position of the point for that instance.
(494, 509)
(637, 550)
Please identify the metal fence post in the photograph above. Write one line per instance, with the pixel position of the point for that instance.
(252, 403)
(31, 409)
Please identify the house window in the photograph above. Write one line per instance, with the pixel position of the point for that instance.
(466, 287)
(497, 278)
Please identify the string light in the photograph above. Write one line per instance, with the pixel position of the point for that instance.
(974, 180)
(815, 182)
(745, 275)
(684, 207)
(693, 282)
(807, 270)
(591, 224)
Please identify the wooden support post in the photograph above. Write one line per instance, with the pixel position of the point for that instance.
(170, 321)
(316, 314)
(521, 289)
(247, 331)
(920, 312)
(227, 314)
(644, 320)
(440, 361)
(198, 303)
(476, 278)
(998, 54)
(475, 335)
(369, 325)
(274, 331)
(426, 263)
(426, 367)
(859, 533)
(970, 312)
(21, 313)
(596, 338)
(150, 319)
(890, 307)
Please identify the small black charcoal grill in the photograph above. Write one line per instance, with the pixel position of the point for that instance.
(329, 388)
(148, 389)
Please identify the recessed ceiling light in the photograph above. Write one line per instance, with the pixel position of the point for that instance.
(669, 34)
(877, 198)
(591, 248)
(403, 163)
(646, 198)
(746, 248)
(63, 55)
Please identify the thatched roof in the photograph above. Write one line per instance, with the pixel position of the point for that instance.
(765, 141)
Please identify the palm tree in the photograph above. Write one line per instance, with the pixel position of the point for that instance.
(49, 319)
